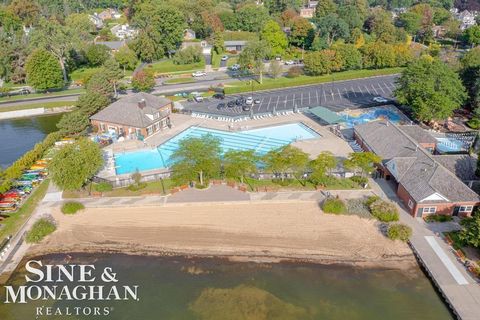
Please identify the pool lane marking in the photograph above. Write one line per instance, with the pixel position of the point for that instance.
(456, 274)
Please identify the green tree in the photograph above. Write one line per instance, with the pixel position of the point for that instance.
(97, 54)
(75, 163)
(471, 231)
(302, 33)
(81, 23)
(470, 67)
(111, 69)
(321, 62)
(431, 89)
(472, 35)
(189, 55)
(252, 57)
(146, 48)
(252, 17)
(285, 160)
(324, 8)
(143, 81)
(74, 123)
(275, 69)
(27, 10)
(322, 166)
(378, 55)
(350, 57)
(239, 163)
(101, 84)
(92, 102)
(196, 159)
(275, 38)
(126, 58)
(218, 43)
(363, 161)
(43, 71)
(332, 28)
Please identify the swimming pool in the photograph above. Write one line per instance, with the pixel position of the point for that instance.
(451, 145)
(261, 140)
(355, 117)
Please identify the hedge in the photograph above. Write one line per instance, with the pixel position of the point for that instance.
(72, 207)
(384, 211)
(399, 231)
(40, 230)
(334, 205)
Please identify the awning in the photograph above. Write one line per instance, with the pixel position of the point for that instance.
(326, 115)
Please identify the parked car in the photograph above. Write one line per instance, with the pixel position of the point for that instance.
(220, 96)
(221, 105)
(198, 98)
(235, 67)
(240, 101)
(199, 74)
(380, 99)
(231, 104)
(249, 101)
(246, 107)
(289, 62)
(256, 101)
(224, 58)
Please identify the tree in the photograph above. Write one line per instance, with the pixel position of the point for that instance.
(189, 55)
(332, 28)
(92, 102)
(143, 81)
(324, 8)
(470, 69)
(97, 54)
(43, 71)
(349, 56)
(196, 159)
(380, 25)
(252, 17)
(146, 48)
(126, 58)
(285, 160)
(239, 163)
(471, 231)
(74, 123)
(288, 17)
(101, 84)
(75, 163)
(275, 38)
(81, 23)
(229, 20)
(275, 69)
(363, 161)
(252, 57)
(378, 55)
(431, 89)
(112, 71)
(472, 35)
(218, 43)
(302, 33)
(27, 10)
(321, 166)
(321, 62)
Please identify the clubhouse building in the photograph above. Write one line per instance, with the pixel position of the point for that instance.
(135, 117)
(426, 183)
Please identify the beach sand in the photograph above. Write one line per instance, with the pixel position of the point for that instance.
(267, 232)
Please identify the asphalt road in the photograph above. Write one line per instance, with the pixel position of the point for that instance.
(337, 96)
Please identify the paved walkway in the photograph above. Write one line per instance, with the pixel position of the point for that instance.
(459, 289)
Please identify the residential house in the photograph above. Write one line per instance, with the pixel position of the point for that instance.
(424, 182)
(235, 45)
(109, 14)
(308, 11)
(189, 34)
(466, 18)
(114, 46)
(135, 117)
(124, 31)
(96, 20)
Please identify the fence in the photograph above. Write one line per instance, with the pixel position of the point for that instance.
(125, 182)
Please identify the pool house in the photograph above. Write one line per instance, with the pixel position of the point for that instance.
(135, 117)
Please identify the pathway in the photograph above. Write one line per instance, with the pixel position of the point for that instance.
(459, 289)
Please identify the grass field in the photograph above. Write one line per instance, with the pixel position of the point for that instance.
(16, 220)
(179, 80)
(151, 187)
(283, 82)
(46, 105)
(167, 66)
(83, 73)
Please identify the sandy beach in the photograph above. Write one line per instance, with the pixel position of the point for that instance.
(241, 231)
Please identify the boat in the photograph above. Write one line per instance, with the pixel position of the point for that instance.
(7, 204)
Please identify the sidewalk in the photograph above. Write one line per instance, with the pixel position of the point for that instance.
(458, 288)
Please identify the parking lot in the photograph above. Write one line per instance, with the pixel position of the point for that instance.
(337, 96)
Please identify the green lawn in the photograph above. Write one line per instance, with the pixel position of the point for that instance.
(83, 73)
(167, 66)
(46, 105)
(38, 95)
(179, 80)
(283, 82)
(16, 220)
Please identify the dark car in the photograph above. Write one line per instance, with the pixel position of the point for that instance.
(246, 107)
(221, 105)
(231, 104)
(240, 101)
(220, 96)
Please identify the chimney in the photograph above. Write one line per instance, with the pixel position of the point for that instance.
(142, 104)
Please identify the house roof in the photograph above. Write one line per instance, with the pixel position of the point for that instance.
(418, 134)
(415, 168)
(463, 165)
(326, 115)
(127, 111)
(235, 43)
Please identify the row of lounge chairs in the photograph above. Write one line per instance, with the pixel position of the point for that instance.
(355, 146)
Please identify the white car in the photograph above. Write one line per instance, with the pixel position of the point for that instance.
(199, 74)
(198, 98)
(235, 67)
(224, 58)
(380, 99)
(249, 101)
(289, 62)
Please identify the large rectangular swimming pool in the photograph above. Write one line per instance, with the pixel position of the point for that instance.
(261, 140)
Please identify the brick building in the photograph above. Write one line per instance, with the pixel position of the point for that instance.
(425, 184)
(134, 117)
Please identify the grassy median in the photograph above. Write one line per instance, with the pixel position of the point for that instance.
(46, 105)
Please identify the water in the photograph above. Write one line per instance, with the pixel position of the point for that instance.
(20, 135)
(211, 289)
(353, 118)
(451, 145)
(261, 140)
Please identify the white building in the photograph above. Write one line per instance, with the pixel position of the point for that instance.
(124, 31)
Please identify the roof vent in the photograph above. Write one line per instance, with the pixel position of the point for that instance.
(142, 104)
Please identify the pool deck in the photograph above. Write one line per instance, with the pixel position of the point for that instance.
(326, 142)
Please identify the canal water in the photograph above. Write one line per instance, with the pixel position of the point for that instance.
(20, 135)
(213, 289)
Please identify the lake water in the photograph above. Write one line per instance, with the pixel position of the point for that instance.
(20, 135)
(212, 289)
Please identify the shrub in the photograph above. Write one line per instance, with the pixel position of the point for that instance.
(359, 179)
(103, 187)
(40, 230)
(334, 205)
(72, 207)
(188, 55)
(398, 231)
(438, 218)
(294, 72)
(474, 123)
(371, 200)
(384, 211)
(136, 187)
